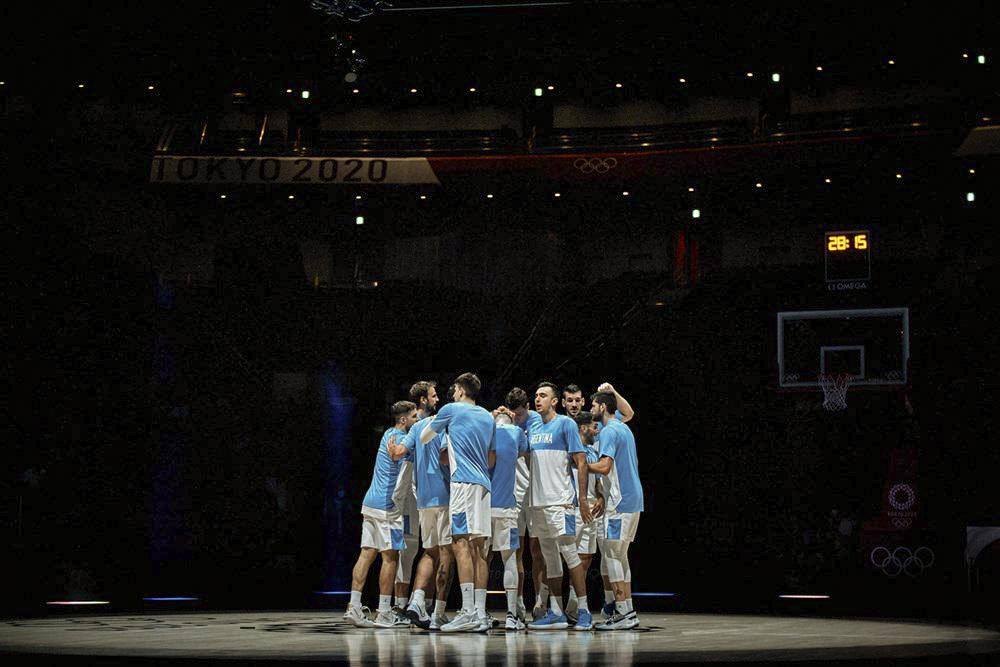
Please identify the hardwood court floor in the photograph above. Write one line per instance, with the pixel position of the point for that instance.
(263, 637)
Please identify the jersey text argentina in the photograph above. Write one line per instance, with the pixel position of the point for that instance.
(552, 446)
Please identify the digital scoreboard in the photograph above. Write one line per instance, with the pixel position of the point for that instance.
(848, 258)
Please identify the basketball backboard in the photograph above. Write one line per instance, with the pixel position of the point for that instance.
(871, 345)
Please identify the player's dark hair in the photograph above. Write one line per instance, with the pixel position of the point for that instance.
(607, 399)
(470, 384)
(572, 389)
(555, 389)
(583, 417)
(420, 389)
(400, 408)
(516, 398)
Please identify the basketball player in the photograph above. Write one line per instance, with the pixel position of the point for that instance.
(573, 400)
(555, 445)
(572, 397)
(516, 407)
(431, 481)
(382, 527)
(408, 501)
(620, 467)
(587, 533)
(511, 446)
(470, 451)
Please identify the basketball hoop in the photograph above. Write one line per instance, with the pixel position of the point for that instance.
(835, 391)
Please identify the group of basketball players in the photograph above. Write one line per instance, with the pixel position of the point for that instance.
(474, 481)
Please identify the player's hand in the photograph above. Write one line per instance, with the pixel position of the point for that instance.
(606, 386)
(392, 443)
(598, 507)
(585, 512)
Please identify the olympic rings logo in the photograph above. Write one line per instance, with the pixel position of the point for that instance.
(902, 560)
(595, 165)
(909, 496)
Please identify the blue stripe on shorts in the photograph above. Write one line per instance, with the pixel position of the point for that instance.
(459, 524)
(570, 523)
(515, 542)
(397, 539)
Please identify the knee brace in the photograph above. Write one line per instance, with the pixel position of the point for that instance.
(509, 568)
(404, 570)
(550, 554)
(616, 560)
(567, 547)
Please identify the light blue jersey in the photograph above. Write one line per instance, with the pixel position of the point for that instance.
(430, 477)
(624, 492)
(385, 478)
(471, 431)
(534, 419)
(552, 447)
(510, 444)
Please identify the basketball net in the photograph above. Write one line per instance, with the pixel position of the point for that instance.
(835, 391)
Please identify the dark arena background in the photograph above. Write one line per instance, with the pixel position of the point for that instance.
(238, 232)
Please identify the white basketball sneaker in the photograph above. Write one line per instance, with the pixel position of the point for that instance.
(513, 623)
(466, 621)
(438, 621)
(390, 618)
(358, 617)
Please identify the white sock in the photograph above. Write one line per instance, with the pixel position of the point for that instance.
(543, 596)
(621, 607)
(402, 602)
(512, 600)
(384, 602)
(628, 601)
(609, 597)
(554, 605)
(439, 606)
(418, 598)
(468, 596)
(355, 598)
(582, 602)
(480, 595)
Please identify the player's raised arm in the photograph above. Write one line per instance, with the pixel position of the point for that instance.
(437, 425)
(623, 405)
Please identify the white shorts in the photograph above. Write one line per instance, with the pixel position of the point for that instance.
(435, 527)
(506, 535)
(552, 521)
(381, 531)
(470, 510)
(587, 534)
(621, 526)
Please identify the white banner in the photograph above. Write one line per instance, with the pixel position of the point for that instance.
(226, 170)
